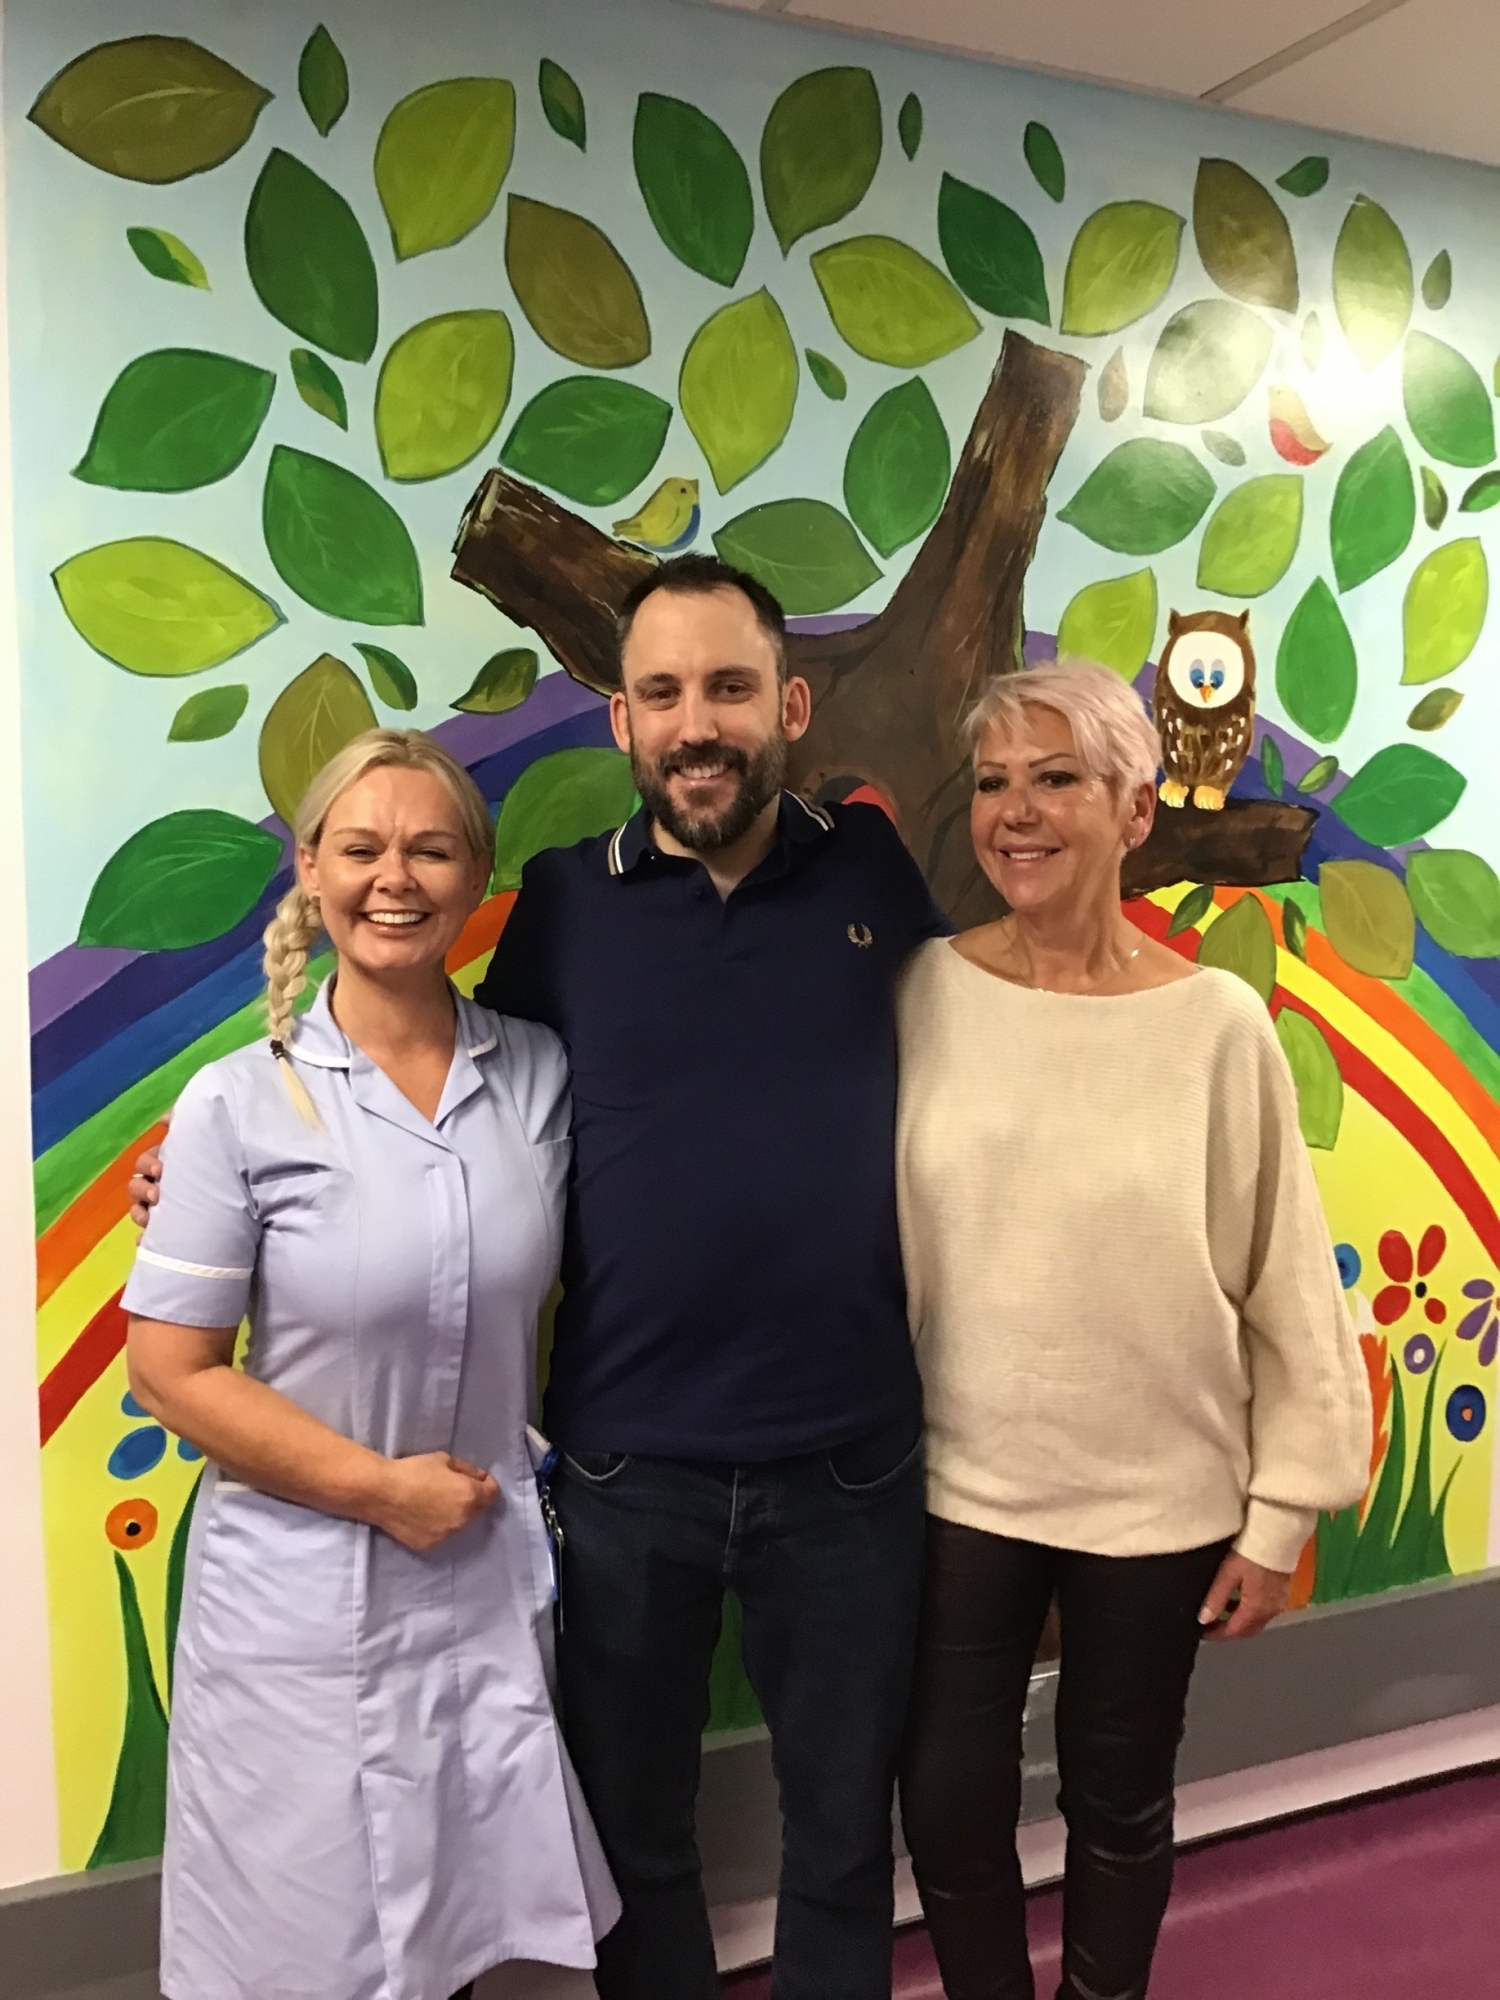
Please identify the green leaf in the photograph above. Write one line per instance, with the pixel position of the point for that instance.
(1146, 496)
(738, 386)
(308, 259)
(1444, 612)
(1457, 897)
(1307, 177)
(442, 391)
(1113, 623)
(176, 419)
(150, 108)
(1435, 498)
(310, 721)
(819, 151)
(1243, 237)
(1317, 671)
(1252, 536)
(1437, 282)
(827, 374)
(1447, 405)
(804, 551)
(889, 303)
(909, 124)
(319, 387)
(1272, 766)
(341, 546)
(213, 713)
(1193, 908)
(135, 1821)
(1312, 343)
(562, 103)
(897, 469)
(167, 256)
(1402, 793)
(991, 253)
(441, 159)
(1228, 450)
(1122, 264)
(1368, 918)
(1294, 928)
(1114, 388)
(1374, 510)
(1209, 357)
(574, 286)
(1315, 1072)
(180, 881)
(392, 679)
(1434, 709)
(1045, 160)
(503, 682)
(1481, 495)
(323, 80)
(158, 607)
(177, 1572)
(589, 438)
(694, 185)
(558, 801)
(1241, 941)
(1372, 282)
(1317, 775)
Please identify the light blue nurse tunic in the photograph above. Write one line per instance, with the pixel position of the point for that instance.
(367, 1795)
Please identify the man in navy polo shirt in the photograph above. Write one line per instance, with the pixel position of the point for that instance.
(732, 1384)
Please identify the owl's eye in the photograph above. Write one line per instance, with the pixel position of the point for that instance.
(1216, 679)
(1196, 675)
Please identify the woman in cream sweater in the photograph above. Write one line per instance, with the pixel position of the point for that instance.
(1141, 1380)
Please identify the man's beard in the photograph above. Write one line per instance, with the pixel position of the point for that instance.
(761, 778)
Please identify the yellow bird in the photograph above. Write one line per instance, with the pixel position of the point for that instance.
(668, 521)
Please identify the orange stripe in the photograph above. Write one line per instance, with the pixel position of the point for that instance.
(83, 1226)
(482, 931)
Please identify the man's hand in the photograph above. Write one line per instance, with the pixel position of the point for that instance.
(145, 1188)
(1243, 1598)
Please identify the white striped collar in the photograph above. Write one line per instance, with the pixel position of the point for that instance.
(798, 820)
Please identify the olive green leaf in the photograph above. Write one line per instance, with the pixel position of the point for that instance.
(562, 104)
(1457, 899)
(1146, 496)
(991, 253)
(819, 151)
(1243, 237)
(889, 303)
(308, 259)
(1368, 917)
(1481, 495)
(310, 721)
(589, 438)
(441, 159)
(1193, 908)
(1435, 498)
(738, 386)
(1240, 940)
(1045, 160)
(1252, 536)
(897, 469)
(1112, 623)
(1317, 775)
(180, 881)
(1228, 450)
(909, 124)
(558, 801)
(158, 607)
(1401, 794)
(1312, 342)
(1272, 766)
(1209, 357)
(1374, 510)
(1315, 1072)
(1437, 282)
(1444, 612)
(1114, 388)
(829, 377)
(392, 679)
(442, 391)
(1434, 709)
(323, 80)
(1317, 670)
(1447, 405)
(1307, 177)
(503, 682)
(176, 419)
(150, 108)
(319, 387)
(167, 256)
(694, 185)
(1122, 264)
(574, 286)
(803, 550)
(212, 713)
(1294, 928)
(1372, 282)
(338, 543)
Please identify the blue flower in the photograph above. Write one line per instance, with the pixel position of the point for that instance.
(1347, 1259)
(138, 1452)
(1466, 1413)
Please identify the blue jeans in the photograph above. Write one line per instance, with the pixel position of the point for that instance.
(824, 1553)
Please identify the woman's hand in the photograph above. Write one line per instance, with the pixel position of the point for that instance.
(425, 1499)
(1243, 1598)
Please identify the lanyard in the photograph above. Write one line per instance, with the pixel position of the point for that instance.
(544, 1458)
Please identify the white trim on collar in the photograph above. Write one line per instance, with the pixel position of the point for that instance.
(824, 818)
(616, 866)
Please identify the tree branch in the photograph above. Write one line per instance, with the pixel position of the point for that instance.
(1250, 843)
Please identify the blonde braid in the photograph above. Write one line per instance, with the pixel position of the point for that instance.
(288, 938)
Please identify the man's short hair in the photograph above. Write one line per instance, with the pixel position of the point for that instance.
(691, 576)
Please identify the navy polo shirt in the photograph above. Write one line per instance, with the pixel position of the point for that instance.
(732, 1284)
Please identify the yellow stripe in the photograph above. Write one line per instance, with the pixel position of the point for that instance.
(80, 1295)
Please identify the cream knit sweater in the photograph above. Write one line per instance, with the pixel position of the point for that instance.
(1124, 1300)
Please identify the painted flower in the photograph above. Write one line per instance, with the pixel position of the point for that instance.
(134, 1522)
(1409, 1275)
(1466, 1413)
(1419, 1353)
(1482, 1322)
(140, 1451)
(1347, 1258)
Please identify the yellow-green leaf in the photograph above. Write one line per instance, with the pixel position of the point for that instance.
(1252, 536)
(1368, 917)
(441, 158)
(1114, 388)
(1113, 622)
(158, 607)
(1243, 237)
(319, 387)
(1315, 1072)
(1208, 359)
(310, 721)
(442, 391)
(890, 303)
(390, 676)
(152, 108)
(819, 150)
(738, 386)
(1444, 613)
(1372, 282)
(1434, 709)
(503, 682)
(167, 256)
(211, 713)
(1121, 265)
(574, 286)
(1241, 941)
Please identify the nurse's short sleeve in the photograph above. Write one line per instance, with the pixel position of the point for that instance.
(196, 1260)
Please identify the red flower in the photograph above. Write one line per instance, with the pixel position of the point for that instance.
(1410, 1275)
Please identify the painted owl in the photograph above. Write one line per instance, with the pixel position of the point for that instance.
(1204, 701)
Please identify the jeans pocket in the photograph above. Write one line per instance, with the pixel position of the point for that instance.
(870, 1464)
(596, 1468)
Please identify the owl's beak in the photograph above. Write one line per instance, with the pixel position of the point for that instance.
(1207, 693)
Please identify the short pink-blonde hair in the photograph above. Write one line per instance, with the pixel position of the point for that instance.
(1115, 738)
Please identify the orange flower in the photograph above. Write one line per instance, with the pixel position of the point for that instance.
(132, 1524)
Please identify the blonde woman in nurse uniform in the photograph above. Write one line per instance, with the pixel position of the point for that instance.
(368, 1796)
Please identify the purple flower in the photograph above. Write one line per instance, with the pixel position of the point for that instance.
(1482, 1322)
(1419, 1354)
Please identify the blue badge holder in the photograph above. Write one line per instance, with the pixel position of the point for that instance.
(544, 1457)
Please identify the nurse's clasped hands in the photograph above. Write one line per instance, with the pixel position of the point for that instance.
(421, 1501)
